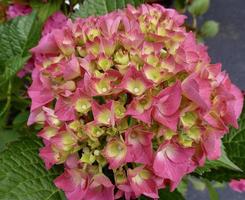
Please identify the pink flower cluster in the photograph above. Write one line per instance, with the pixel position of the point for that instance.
(55, 21)
(238, 185)
(16, 10)
(129, 103)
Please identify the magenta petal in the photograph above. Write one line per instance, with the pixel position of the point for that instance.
(172, 162)
(178, 154)
(72, 161)
(134, 75)
(74, 183)
(47, 45)
(139, 146)
(64, 110)
(39, 91)
(99, 117)
(238, 185)
(36, 116)
(238, 102)
(168, 121)
(144, 117)
(48, 156)
(16, 10)
(191, 89)
(100, 189)
(143, 184)
(168, 100)
(71, 69)
(212, 145)
(56, 21)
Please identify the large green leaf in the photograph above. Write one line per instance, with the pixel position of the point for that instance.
(234, 143)
(101, 7)
(17, 37)
(22, 174)
(44, 10)
(7, 136)
(222, 162)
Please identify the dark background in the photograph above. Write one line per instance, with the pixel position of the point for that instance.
(228, 47)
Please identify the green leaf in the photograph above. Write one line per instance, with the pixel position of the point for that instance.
(223, 175)
(21, 119)
(199, 7)
(22, 174)
(223, 162)
(210, 28)
(12, 66)
(166, 194)
(7, 136)
(17, 37)
(101, 7)
(234, 143)
(44, 10)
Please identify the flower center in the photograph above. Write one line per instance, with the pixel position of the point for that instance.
(96, 152)
(84, 107)
(136, 90)
(104, 89)
(119, 148)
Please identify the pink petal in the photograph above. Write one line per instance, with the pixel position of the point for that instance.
(168, 121)
(168, 100)
(238, 185)
(64, 110)
(71, 69)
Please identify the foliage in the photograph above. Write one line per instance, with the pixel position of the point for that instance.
(17, 37)
(47, 9)
(100, 7)
(22, 173)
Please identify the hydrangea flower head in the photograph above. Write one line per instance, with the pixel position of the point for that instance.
(129, 103)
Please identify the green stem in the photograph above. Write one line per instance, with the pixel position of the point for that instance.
(194, 22)
(8, 99)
